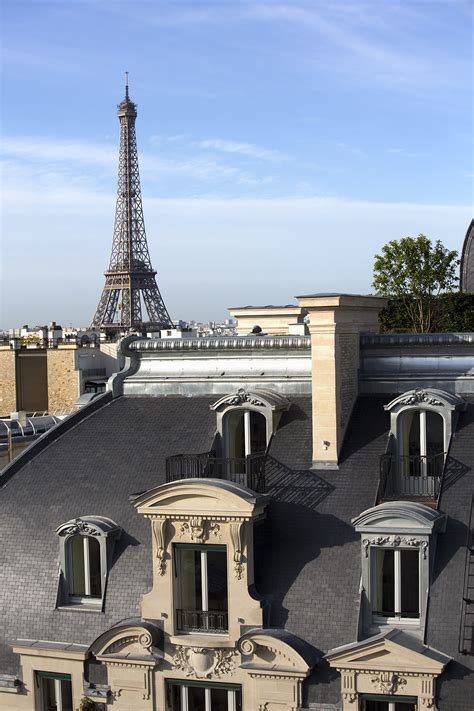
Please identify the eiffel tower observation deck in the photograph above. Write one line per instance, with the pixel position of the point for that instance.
(130, 283)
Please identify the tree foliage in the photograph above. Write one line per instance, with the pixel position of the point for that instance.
(414, 271)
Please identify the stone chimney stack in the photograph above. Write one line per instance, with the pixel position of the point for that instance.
(335, 324)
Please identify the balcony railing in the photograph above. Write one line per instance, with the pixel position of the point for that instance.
(213, 621)
(411, 476)
(247, 471)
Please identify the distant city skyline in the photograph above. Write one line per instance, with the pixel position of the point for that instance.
(280, 145)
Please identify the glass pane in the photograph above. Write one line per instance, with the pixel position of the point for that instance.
(190, 579)
(384, 582)
(235, 434)
(94, 566)
(196, 698)
(174, 698)
(414, 436)
(410, 595)
(434, 433)
(50, 702)
(405, 706)
(217, 580)
(76, 550)
(219, 699)
(258, 432)
(66, 696)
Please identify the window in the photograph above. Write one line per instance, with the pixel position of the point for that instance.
(188, 696)
(395, 583)
(246, 433)
(84, 575)
(201, 573)
(55, 691)
(398, 541)
(86, 547)
(383, 704)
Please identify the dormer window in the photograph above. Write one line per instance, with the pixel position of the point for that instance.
(201, 572)
(421, 425)
(398, 541)
(395, 583)
(86, 549)
(245, 433)
(84, 570)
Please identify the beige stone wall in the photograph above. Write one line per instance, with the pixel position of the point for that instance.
(274, 321)
(7, 381)
(63, 379)
(335, 325)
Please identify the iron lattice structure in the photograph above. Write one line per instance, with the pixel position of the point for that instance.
(130, 281)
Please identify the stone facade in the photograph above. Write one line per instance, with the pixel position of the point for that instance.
(335, 324)
(7, 381)
(273, 320)
(63, 378)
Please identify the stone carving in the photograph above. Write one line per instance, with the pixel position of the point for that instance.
(80, 527)
(420, 396)
(388, 682)
(159, 532)
(236, 534)
(204, 663)
(241, 397)
(349, 696)
(248, 647)
(395, 541)
(199, 528)
(426, 702)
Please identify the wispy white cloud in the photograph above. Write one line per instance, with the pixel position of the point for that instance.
(51, 162)
(351, 150)
(245, 149)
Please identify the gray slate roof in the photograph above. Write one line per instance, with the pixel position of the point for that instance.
(307, 554)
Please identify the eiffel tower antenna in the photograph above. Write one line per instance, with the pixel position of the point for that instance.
(130, 282)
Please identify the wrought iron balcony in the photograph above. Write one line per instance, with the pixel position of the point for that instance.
(411, 476)
(213, 621)
(247, 471)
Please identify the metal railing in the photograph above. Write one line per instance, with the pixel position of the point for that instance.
(411, 476)
(199, 621)
(247, 471)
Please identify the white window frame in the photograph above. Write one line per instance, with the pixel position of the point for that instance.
(231, 699)
(247, 438)
(391, 704)
(204, 580)
(57, 690)
(87, 599)
(396, 618)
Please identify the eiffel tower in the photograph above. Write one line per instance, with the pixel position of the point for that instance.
(130, 282)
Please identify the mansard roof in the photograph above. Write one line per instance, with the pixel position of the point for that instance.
(307, 553)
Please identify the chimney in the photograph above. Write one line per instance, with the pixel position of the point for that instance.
(335, 324)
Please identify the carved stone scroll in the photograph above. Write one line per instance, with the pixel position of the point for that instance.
(236, 535)
(159, 532)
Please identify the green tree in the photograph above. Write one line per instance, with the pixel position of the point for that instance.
(415, 271)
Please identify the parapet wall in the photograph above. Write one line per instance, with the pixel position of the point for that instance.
(213, 366)
(395, 363)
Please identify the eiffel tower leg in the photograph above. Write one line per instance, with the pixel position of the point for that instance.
(100, 314)
(136, 315)
(111, 309)
(155, 307)
(125, 312)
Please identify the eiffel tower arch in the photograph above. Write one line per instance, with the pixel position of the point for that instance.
(130, 281)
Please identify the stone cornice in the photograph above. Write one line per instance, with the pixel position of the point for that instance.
(222, 344)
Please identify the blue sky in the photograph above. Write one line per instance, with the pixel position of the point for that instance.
(281, 144)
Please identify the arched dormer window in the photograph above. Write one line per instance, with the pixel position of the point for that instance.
(421, 426)
(86, 549)
(247, 419)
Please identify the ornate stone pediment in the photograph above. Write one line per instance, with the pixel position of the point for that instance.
(135, 643)
(388, 664)
(276, 651)
(194, 500)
